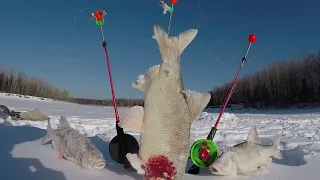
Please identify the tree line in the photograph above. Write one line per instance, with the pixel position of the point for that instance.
(121, 102)
(282, 84)
(15, 82)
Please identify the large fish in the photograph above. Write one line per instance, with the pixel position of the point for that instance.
(74, 146)
(246, 157)
(165, 120)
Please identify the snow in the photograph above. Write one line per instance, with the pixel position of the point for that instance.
(18, 96)
(23, 156)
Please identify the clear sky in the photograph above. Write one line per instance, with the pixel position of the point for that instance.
(41, 38)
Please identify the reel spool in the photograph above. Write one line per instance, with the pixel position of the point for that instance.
(203, 152)
(131, 145)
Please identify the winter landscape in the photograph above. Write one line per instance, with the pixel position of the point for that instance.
(175, 65)
(23, 156)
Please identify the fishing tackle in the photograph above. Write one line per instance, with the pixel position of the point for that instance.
(122, 143)
(204, 151)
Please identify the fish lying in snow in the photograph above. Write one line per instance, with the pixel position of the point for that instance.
(74, 146)
(165, 120)
(246, 157)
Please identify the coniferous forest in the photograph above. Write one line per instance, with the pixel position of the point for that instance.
(282, 84)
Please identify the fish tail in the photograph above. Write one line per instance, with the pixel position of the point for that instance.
(48, 136)
(276, 152)
(166, 43)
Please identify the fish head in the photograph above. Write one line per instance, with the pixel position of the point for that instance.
(224, 165)
(94, 160)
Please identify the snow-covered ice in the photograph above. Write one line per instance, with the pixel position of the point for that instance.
(23, 157)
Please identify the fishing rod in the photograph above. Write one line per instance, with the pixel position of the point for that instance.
(204, 151)
(166, 8)
(122, 143)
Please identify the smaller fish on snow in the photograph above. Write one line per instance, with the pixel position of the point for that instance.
(246, 157)
(74, 146)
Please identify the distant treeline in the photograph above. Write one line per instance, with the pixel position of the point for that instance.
(20, 83)
(283, 84)
(121, 102)
(15, 82)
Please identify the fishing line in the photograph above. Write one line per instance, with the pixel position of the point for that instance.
(226, 65)
(166, 8)
(257, 53)
(210, 51)
(170, 18)
(198, 25)
(200, 12)
(193, 154)
(76, 15)
(199, 17)
(230, 69)
(122, 143)
(220, 61)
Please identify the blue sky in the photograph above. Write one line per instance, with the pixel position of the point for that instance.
(41, 39)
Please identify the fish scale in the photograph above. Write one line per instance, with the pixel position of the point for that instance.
(165, 120)
(245, 157)
(74, 146)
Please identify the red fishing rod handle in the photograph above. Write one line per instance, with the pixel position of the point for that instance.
(251, 39)
(111, 82)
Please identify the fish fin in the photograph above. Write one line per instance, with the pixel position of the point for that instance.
(196, 102)
(253, 136)
(277, 153)
(55, 146)
(48, 136)
(136, 163)
(133, 119)
(145, 80)
(166, 43)
(63, 123)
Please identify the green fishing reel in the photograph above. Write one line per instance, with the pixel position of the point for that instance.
(203, 152)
